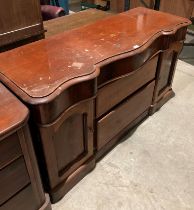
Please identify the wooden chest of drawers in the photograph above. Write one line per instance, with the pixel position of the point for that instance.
(21, 22)
(89, 85)
(20, 185)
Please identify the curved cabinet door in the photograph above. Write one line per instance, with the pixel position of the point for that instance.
(68, 142)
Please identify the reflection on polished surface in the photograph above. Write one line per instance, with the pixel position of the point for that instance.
(45, 65)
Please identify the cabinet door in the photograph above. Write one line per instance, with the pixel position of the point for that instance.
(68, 142)
(165, 74)
(19, 20)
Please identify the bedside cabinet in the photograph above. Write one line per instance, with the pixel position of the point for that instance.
(20, 185)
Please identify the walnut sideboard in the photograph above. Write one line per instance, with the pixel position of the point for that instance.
(20, 184)
(86, 87)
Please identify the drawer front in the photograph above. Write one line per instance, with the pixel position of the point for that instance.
(114, 92)
(116, 120)
(12, 179)
(24, 200)
(9, 149)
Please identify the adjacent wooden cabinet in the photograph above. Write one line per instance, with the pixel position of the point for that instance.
(138, 3)
(117, 6)
(20, 20)
(20, 184)
(192, 13)
(182, 8)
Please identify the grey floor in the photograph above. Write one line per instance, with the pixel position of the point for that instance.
(153, 167)
(187, 53)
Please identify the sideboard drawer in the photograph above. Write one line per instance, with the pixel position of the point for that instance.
(12, 179)
(9, 149)
(119, 88)
(117, 119)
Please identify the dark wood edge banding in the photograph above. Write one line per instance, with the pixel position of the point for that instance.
(47, 204)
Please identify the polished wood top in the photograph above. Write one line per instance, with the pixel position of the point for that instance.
(48, 66)
(69, 22)
(12, 112)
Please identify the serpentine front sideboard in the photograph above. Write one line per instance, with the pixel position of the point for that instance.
(87, 86)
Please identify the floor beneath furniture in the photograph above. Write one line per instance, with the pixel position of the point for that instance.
(187, 53)
(153, 167)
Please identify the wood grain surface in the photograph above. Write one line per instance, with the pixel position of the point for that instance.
(12, 112)
(182, 8)
(38, 69)
(69, 22)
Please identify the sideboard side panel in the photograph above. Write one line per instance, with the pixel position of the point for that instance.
(164, 76)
